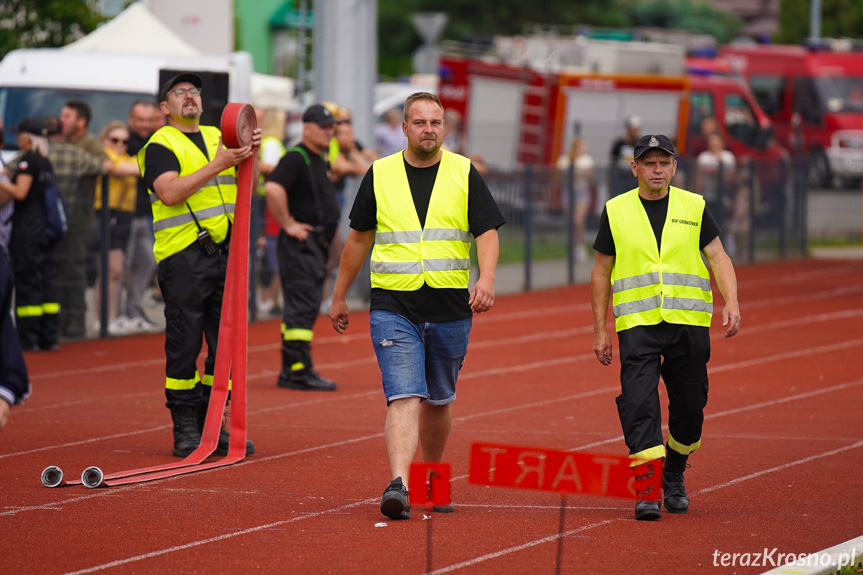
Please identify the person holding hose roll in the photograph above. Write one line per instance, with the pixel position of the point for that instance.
(191, 178)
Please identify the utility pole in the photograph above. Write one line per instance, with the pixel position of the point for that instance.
(815, 19)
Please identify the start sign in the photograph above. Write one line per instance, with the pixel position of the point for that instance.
(564, 471)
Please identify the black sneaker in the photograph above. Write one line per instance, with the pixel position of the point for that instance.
(676, 498)
(395, 503)
(647, 510)
(303, 380)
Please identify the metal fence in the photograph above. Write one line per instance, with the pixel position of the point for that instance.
(766, 212)
(769, 211)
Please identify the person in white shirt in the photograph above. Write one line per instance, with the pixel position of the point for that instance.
(583, 181)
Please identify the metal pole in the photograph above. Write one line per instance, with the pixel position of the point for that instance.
(751, 240)
(105, 245)
(303, 44)
(815, 19)
(570, 222)
(528, 225)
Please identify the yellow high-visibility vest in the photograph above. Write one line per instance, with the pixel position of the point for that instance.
(406, 255)
(649, 285)
(174, 226)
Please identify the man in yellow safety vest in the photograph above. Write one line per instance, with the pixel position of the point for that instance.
(648, 253)
(191, 179)
(419, 208)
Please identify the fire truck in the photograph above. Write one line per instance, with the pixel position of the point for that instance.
(814, 97)
(525, 99)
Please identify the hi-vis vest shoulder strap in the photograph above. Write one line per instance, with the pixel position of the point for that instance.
(649, 285)
(405, 256)
(174, 226)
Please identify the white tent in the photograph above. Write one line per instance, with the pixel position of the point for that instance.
(137, 30)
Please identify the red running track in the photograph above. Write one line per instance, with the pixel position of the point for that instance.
(779, 466)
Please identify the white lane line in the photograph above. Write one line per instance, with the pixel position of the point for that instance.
(509, 317)
(456, 566)
(780, 467)
(556, 536)
(527, 545)
(200, 542)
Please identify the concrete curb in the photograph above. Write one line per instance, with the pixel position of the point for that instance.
(826, 562)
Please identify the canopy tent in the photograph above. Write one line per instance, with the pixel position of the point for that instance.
(137, 30)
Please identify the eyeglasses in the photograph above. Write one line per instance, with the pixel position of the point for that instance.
(119, 140)
(180, 92)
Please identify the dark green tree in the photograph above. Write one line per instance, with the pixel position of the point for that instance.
(690, 15)
(44, 23)
(839, 18)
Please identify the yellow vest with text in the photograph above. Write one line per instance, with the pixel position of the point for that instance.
(406, 256)
(175, 228)
(650, 286)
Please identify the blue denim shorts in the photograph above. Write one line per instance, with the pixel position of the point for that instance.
(419, 359)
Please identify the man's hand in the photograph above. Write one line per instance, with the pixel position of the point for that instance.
(482, 296)
(602, 346)
(228, 157)
(298, 230)
(339, 314)
(731, 320)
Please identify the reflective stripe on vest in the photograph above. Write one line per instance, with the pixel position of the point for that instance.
(174, 226)
(650, 286)
(404, 256)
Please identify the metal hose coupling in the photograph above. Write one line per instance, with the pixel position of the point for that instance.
(52, 476)
(92, 477)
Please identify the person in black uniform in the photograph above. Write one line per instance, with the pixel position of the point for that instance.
(649, 250)
(301, 198)
(191, 178)
(32, 252)
(14, 382)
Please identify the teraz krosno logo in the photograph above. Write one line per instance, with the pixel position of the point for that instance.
(775, 558)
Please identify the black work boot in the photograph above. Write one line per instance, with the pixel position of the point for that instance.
(297, 371)
(187, 436)
(676, 499)
(646, 510)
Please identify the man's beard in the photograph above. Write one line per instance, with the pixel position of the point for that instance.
(191, 115)
(422, 153)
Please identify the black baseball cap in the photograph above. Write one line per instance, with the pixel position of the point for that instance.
(190, 77)
(30, 125)
(319, 114)
(650, 142)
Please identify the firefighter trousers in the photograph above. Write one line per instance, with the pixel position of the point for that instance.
(679, 354)
(36, 299)
(302, 267)
(193, 285)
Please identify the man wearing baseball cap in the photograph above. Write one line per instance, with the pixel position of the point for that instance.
(648, 262)
(302, 199)
(191, 178)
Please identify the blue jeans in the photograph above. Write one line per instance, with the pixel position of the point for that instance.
(419, 359)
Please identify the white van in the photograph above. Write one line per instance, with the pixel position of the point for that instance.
(37, 82)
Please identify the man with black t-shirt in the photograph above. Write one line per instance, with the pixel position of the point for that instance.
(648, 253)
(302, 199)
(193, 178)
(419, 208)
